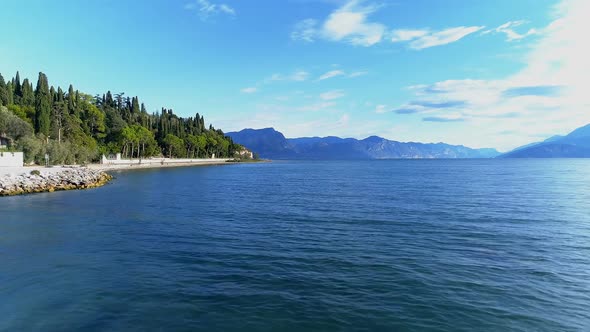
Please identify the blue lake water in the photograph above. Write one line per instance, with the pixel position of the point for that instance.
(404, 245)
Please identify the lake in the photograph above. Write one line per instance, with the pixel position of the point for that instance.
(398, 245)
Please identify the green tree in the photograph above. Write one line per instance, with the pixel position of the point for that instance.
(18, 92)
(146, 141)
(3, 92)
(42, 106)
(59, 118)
(10, 89)
(13, 127)
(32, 148)
(211, 145)
(174, 146)
(93, 120)
(191, 144)
(130, 138)
(84, 125)
(201, 143)
(28, 98)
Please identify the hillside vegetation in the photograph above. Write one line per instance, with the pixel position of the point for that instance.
(74, 127)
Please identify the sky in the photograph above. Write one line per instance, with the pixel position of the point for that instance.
(496, 74)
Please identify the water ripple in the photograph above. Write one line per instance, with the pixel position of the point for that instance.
(441, 245)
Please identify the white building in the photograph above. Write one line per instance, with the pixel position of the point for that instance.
(245, 153)
(11, 159)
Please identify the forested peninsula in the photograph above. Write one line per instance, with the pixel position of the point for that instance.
(73, 127)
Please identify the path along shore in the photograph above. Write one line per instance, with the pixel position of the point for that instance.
(36, 179)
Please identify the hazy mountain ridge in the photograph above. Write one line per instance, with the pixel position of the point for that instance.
(574, 145)
(269, 143)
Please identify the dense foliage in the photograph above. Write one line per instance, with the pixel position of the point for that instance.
(73, 127)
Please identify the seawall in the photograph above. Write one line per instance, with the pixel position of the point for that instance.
(49, 181)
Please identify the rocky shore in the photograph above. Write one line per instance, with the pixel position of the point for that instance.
(41, 181)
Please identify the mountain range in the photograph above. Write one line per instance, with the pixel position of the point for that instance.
(574, 145)
(271, 144)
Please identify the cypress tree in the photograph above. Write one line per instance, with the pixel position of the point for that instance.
(135, 105)
(3, 92)
(60, 94)
(18, 92)
(72, 109)
(108, 99)
(28, 98)
(10, 89)
(42, 106)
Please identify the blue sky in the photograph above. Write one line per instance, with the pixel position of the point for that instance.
(479, 73)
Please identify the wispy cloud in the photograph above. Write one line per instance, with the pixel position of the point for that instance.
(421, 39)
(438, 104)
(305, 30)
(207, 9)
(343, 121)
(249, 90)
(407, 110)
(358, 74)
(330, 74)
(404, 35)
(442, 119)
(508, 29)
(316, 107)
(331, 95)
(342, 73)
(540, 90)
(379, 109)
(297, 76)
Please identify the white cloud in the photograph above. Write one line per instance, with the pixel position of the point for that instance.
(548, 96)
(349, 23)
(330, 74)
(421, 39)
(207, 9)
(227, 9)
(508, 29)
(249, 90)
(331, 95)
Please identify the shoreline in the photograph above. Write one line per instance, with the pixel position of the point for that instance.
(160, 164)
(37, 179)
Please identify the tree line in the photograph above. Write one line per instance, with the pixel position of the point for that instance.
(74, 127)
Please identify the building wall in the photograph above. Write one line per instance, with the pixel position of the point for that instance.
(157, 161)
(11, 159)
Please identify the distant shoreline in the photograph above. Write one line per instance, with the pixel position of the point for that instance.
(36, 179)
(159, 164)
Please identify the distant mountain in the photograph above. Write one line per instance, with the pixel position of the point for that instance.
(574, 145)
(269, 143)
(266, 142)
